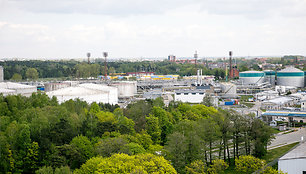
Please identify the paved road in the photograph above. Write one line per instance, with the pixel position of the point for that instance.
(282, 140)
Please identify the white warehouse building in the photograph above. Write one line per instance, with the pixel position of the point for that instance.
(87, 92)
(9, 88)
(126, 89)
(294, 161)
(189, 96)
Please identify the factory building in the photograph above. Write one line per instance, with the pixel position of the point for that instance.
(9, 88)
(270, 77)
(55, 86)
(189, 96)
(294, 161)
(126, 89)
(87, 92)
(251, 77)
(277, 103)
(290, 76)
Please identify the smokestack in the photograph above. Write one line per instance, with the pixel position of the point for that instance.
(195, 56)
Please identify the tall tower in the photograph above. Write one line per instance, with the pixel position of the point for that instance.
(230, 64)
(88, 57)
(105, 54)
(1, 74)
(195, 57)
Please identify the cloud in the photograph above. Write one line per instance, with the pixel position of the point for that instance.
(249, 8)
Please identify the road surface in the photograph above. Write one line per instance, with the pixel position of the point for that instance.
(285, 139)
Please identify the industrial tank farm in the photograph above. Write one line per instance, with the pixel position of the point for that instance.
(251, 77)
(270, 77)
(290, 77)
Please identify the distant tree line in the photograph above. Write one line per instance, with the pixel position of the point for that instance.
(34, 69)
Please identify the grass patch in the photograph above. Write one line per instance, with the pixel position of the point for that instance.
(249, 105)
(275, 131)
(278, 152)
(289, 132)
(245, 98)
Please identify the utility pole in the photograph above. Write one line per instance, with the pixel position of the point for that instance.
(105, 54)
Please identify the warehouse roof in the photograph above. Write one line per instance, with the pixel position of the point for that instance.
(296, 153)
(74, 91)
(11, 85)
(285, 113)
(279, 100)
(290, 69)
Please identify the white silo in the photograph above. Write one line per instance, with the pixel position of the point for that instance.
(290, 76)
(1, 74)
(270, 77)
(251, 77)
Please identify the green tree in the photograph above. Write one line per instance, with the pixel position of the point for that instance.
(122, 163)
(16, 77)
(31, 159)
(32, 74)
(249, 164)
(110, 146)
(218, 167)
(196, 167)
(63, 170)
(44, 170)
(270, 170)
(84, 149)
(132, 149)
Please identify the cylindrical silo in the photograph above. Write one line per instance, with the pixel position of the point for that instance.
(1, 74)
(270, 77)
(290, 77)
(251, 77)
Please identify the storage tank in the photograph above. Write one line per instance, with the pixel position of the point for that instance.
(1, 74)
(228, 88)
(270, 77)
(290, 76)
(126, 89)
(251, 77)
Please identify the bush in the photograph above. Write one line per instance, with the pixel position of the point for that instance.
(249, 164)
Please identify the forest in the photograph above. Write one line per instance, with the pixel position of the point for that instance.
(67, 70)
(39, 135)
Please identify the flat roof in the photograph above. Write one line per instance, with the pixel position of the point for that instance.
(190, 91)
(296, 153)
(285, 113)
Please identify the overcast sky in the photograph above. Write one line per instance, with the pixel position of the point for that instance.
(151, 28)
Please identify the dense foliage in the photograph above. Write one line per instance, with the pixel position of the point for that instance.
(38, 134)
(33, 69)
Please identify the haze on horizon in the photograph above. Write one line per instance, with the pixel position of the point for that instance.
(151, 28)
